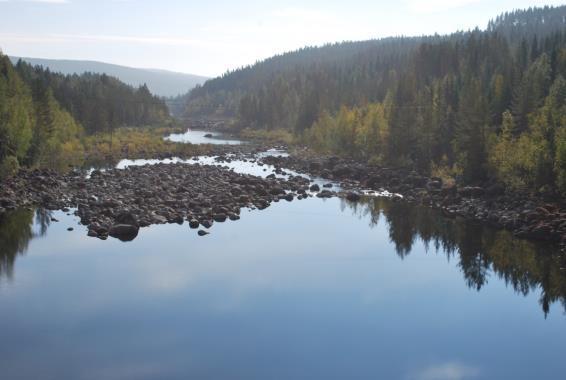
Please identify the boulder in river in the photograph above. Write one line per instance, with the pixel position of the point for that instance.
(124, 232)
(126, 217)
(206, 223)
(221, 217)
(276, 190)
(325, 194)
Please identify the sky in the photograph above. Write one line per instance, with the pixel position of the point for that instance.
(209, 37)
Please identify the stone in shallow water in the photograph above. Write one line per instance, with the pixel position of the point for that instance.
(203, 233)
(176, 219)
(325, 194)
(127, 218)
(220, 217)
(124, 232)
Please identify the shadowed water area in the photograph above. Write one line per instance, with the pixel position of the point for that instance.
(316, 289)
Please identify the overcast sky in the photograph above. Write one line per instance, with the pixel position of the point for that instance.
(210, 37)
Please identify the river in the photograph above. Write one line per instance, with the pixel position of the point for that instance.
(202, 137)
(312, 289)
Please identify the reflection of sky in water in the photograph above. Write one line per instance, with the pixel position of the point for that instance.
(198, 137)
(301, 290)
(274, 152)
(238, 166)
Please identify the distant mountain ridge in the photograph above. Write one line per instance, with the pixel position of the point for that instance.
(160, 82)
(306, 81)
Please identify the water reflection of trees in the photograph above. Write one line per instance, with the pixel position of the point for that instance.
(481, 251)
(16, 231)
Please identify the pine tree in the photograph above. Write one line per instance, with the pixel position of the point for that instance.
(471, 132)
(16, 114)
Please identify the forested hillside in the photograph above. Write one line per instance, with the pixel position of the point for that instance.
(44, 115)
(264, 93)
(159, 82)
(483, 106)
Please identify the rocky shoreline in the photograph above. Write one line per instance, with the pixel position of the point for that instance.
(117, 202)
(526, 217)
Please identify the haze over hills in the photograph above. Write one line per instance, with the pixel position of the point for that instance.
(160, 82)
(270, 92)
(488, 105)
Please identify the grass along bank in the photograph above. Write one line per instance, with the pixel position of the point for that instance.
(104, 148)
(134, 143)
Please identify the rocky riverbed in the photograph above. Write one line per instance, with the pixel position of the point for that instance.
(527, 217)
(117, 202)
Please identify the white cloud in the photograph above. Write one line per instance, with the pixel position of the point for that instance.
(446, 371)
(432, 6)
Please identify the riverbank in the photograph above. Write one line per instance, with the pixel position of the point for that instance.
(168, 192)
(108, 148)
(138, 143)
(156, 143)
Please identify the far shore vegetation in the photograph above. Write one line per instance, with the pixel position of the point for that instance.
(63, 121)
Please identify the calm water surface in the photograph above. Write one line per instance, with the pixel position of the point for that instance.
(314, 289)
(198, 137)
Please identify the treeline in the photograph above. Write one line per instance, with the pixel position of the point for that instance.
(482, 105)
(44, 115)
(526, 24)
(270, 94)
(484, 118)
(97, 101)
